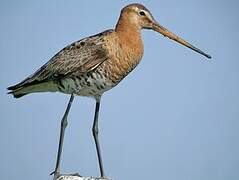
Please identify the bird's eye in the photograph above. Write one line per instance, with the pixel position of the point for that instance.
(142, 13)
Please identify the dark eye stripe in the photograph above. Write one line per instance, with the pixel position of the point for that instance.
(142, 13)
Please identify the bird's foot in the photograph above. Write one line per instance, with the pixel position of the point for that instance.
(56, 175)
(54, 172)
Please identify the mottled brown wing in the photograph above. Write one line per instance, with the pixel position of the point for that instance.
(78, 58)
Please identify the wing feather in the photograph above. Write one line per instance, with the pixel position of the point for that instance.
(79, 57)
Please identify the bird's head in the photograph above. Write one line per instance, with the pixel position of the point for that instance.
(137, 16)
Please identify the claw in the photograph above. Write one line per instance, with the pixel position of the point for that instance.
(54, 173)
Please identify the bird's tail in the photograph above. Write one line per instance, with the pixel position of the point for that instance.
(19, 90)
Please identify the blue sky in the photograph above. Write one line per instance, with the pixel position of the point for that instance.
(175, 117)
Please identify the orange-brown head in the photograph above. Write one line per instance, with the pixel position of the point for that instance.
(136, 16)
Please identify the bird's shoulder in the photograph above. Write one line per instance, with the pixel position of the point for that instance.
(88, 42)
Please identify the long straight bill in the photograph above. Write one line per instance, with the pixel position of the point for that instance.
(157, 27)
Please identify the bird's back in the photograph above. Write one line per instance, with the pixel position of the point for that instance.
(87, 67)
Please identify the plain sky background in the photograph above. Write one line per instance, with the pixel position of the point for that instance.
(175, 117)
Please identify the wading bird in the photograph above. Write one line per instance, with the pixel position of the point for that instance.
(95, 64)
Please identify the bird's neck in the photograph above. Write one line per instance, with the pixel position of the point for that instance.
(125, 23)
(126, 28)
(130, 36)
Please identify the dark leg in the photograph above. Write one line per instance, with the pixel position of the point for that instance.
(95, 131)
(62, 133)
